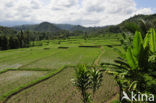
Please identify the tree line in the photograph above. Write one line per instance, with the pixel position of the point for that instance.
(22, 39)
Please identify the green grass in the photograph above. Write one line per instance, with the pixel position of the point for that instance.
(20, 57)
(59, 89)
(108, 56)
(70, 56)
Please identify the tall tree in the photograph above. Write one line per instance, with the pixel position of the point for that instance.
(4, 43)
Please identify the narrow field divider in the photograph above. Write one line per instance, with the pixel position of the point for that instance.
(90, 46)
(97, 60)
(4, 98)
(3, 71)
(24, 69)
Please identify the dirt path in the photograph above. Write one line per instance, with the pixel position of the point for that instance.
(96, 62)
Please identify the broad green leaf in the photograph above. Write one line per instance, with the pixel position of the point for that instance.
(152, 40)
(133, 85)
(112, 72)
(122, 54)
(146, 40)
(130, 59)
(137, 44)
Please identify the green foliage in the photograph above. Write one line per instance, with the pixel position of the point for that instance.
(83, 82)
(152, 40)
(132, 27)
(130, 59)
(141, 23)
(21, 40)
(96, 79)
(7, 31)
(82, 77)
(125, 41)
(86, 79)
(136, 71)
(4, 43)
(137, 44)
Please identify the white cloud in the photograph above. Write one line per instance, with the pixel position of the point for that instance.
(144, 11)
(86, 12)
(154, 10)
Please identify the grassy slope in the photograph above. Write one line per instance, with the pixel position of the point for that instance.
(59, 89)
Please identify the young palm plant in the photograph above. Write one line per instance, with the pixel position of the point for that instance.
(82, 82)
(96, 79)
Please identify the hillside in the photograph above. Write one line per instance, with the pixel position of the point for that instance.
(132, 23)
(137, 18)
(6, 31)
(66, 26)
(139, 22)
(50, 27)
(42, 27)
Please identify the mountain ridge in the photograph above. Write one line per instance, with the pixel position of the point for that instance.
(51, 27)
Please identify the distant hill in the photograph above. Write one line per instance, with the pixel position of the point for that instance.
(50, 27)
(137, 18)
(65, 26)
(42, 27)
(132, 24)
(7, 31)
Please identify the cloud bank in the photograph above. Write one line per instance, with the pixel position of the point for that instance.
(82, 12)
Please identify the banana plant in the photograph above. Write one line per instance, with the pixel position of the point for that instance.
(131, 66)
(150, 40)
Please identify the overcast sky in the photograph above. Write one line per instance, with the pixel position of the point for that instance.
(82, 12)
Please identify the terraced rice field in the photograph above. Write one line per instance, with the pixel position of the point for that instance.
(13, 79)
(59, 89)
(71, 56)
(32, 63)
